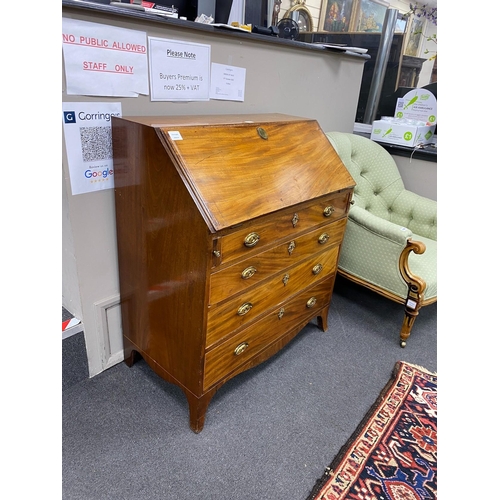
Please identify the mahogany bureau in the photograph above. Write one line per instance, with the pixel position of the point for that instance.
(229, 229)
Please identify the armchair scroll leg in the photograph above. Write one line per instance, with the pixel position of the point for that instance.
(416, 287)
(411, 312)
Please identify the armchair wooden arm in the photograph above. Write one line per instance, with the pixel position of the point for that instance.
(416, 287)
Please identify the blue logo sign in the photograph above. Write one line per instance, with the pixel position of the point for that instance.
(69, 117)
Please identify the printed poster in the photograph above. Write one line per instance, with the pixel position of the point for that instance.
(103, 60)
(179, 71)
(227, 83)
(87, 133)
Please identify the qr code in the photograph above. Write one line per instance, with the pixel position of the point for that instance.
(96, 143)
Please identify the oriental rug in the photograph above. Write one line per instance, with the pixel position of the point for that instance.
(392, 455)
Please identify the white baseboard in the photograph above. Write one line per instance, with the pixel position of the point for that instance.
(108, 320)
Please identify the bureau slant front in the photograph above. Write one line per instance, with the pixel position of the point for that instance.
(229, 229)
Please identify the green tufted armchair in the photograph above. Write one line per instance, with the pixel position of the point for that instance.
(390, 243)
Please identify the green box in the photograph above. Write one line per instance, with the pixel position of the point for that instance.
(402, 134)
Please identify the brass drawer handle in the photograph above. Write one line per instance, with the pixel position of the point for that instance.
(248, 272)
(285, 279)
(241, 348)
(244, 308)
(323, 238)
(295, 219)
(251, 240)
(328, 211)
(281, 313)
(311, 302)
(317, 269)
(262, 133)
(291, 247)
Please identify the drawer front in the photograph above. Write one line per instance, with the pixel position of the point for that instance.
(244, 274)
(286, 224)
(244, 308)
(232, 353)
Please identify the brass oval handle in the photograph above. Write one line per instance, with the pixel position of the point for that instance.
(311, 302)
(323, 238)
(244, 308)
(285, 279)
(241, 348)
(295, 219)
(317, 269)
(248, 272)
(281, 313)
(328, 211)
(291, 247)
(251, 240)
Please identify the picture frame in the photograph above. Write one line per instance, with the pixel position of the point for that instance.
(336, 16)
(369, 16)
(415, 36)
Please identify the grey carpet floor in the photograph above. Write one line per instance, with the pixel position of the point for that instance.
(269, 432)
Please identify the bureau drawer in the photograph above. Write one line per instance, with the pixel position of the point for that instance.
(247, 306)
(244, 274)
(285, 224)
(232, 353)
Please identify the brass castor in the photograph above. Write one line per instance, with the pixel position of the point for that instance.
(402, 343)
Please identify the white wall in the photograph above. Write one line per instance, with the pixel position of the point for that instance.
(279, 79)
(70, 285)
(419, 176)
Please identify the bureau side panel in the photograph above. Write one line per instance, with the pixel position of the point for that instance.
(163, 257)
(130, 233)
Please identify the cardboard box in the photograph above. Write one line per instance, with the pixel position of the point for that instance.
(402, 134)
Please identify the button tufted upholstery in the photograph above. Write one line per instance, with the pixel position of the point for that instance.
(379, 249)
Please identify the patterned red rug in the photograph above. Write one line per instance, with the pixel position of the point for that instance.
(392, 455)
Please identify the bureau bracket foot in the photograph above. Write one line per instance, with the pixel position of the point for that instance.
(130, 355)
(323, 319)
(197, 409)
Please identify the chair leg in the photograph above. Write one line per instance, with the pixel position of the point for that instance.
(409, 319)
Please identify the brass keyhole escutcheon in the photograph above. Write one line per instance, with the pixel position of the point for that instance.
(244, 308)
(285, 278)
(328, 211)
(241, 348)
(311, 302)
(251, 240)
(295, 219)
(281, 313)
(262, 133)
(323, 238)
(291, 247)
(248, 272)
(317, 269)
